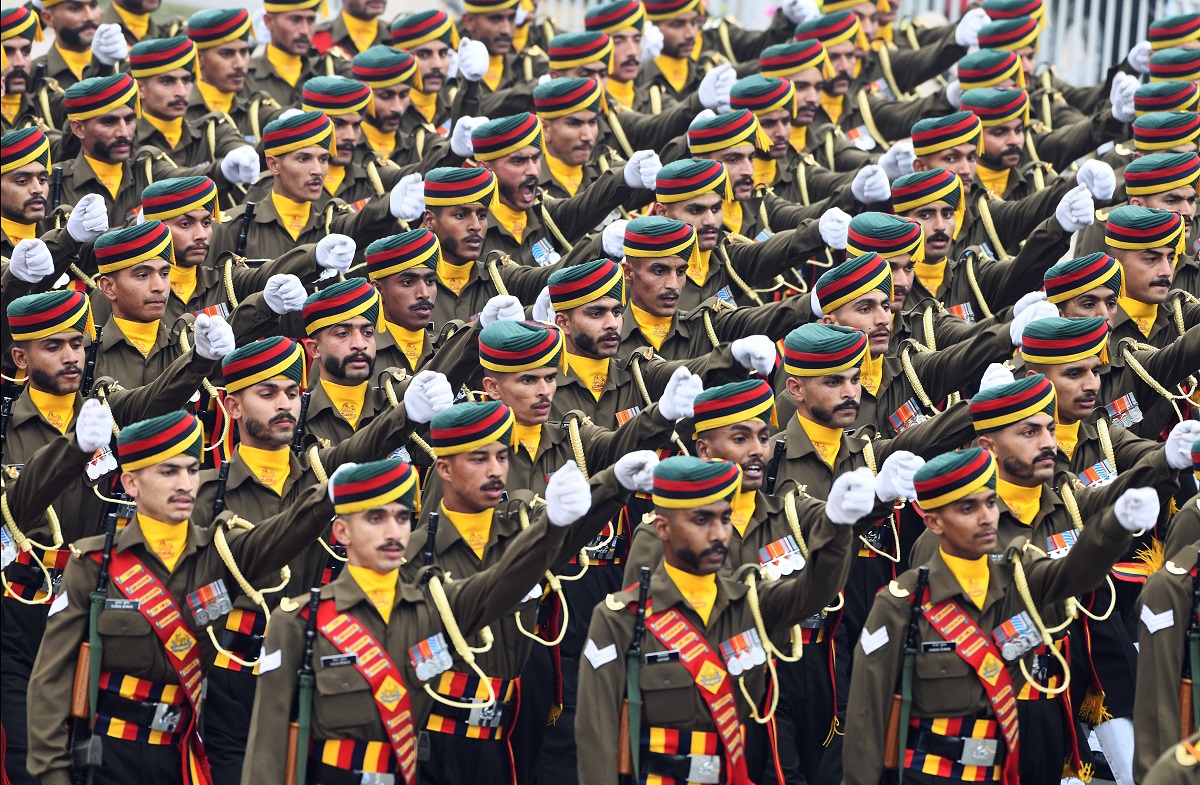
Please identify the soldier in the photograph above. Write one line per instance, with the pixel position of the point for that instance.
(428, 36)
(286, 63)
(77, 37)
(136, 24)
(24, 102)
(356, 29)
(1176, 764)
(569, 109)
(674, 72)
(403, 268)
(493, 22)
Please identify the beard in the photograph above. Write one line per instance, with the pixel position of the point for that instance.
(1021, 470)
(337, 366)
(264, 433)
(13, 75)
(72, 37)
(588, 344)
(825, 416)
(53, 383)
(692, 559)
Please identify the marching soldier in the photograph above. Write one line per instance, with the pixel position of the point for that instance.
(676, 70)
(356, 29)
(81, 49)
(23, 102)
(428, 36)
(493, 22)
(286, 63)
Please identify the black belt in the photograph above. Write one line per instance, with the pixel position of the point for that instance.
(950, 747)
(144, 714)
(678, 767)
(323, 774)
(28, 574)
(244, 645)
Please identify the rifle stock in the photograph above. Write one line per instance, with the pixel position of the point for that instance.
(79, 689)
(298, 435)
(244, 230)
(897, 727)
(1185, 708)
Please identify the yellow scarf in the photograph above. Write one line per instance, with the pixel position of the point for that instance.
(799, 138)
(872, 373)
(454, 276)
(527, 436)
(58, 410)
(743, 511)
(411, 342)
(294, 215)
(215, 99)
(474, 527)
(172, 130)
(165, 540)
(931, 275)
(1022, 501)
(569, 177)
(380, 589)
(334, 177)
(138, 24)
(381, 142)
(698, 270)
(995, 180)
(362, 31)
(512, 220)
(624, 92)
(700, 591)
(183, 281)
(834, 105)
(143, 335)
(765, 171)
(592, 372)
(1067, 435)
(674, 70)
(18, 231)
(109, 175)
(826, 441)
(655, 328)
(972, 575)
(426, 103)
(10, 105)
(286, 64)
(347, 400)
(1143, 314)
(733, 216)
(271, 467)
(495, 71)
(521, 37)
(76, 61)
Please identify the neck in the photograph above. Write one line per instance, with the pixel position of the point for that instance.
(572, 349)
(949, 550)
(1018, 481)
(339, 381)
(249, 441)
(455, 503)
(277, 192)
(71, 48)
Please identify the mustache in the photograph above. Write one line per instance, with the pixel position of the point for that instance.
(530, 181)
(940, 236)
(199, 246)
(1161, 281)
(756, 463)
(745, 179)
(716, 550)
(492, 485)
(391, 544)
(1012, 149)
(852, 406)
(808, 107)
(422, 303)
(282, 417)
(631, 60)
(1049, 454)
(181, 497)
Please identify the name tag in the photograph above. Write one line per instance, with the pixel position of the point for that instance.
(937, 647)
(122, 605)
(661, 657)
(339, 660)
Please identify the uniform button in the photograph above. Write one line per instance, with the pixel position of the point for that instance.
(124, 630)
(942, 672)
(667, 683)
(345, 685)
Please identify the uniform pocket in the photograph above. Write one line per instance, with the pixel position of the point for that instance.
(667, 693)
(345, 700)
(130, 646)
(946, 686)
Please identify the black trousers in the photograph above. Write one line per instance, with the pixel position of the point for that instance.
(21, 628)
(1044, 741)
(128, 762)
(228, 704)
(456, 760)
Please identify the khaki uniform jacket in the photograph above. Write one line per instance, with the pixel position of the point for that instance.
(654, 94)
(65, 252)
(120, 359)
(34, 487)
(768, 212)
(944, 685)
(56, 68)
(1177, 766)
(1185, 526)
(801, 179)
(130, 645)
(157, 29)
(1165, 329)
(416, 137)
(1127, 449)
(250, 112)
(367, 176)
(333, 33)
(262, 77)
(754, 264)
(149, 167)
(522, 281)
(521, 67)
(44, 106)
(1007, 220)
(328, 424)
(204, 142)
(829, 147)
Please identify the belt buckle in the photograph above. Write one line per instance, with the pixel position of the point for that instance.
(376, 778)
(979, 752)
(166, 717)
(487, 717)
(704, 769)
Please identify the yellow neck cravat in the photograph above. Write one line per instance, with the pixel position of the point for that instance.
(18, 231)
(833, 105)
(271, 467)
(76, 61)
(215, 99)
(1143, 314)
(592, 372)
(1023, 502)
(495, 71)
(426, 103)
(700, 591)
(799, 138)
(512, 220)
(674, 70)
(165, 540)
(826, 441)
(347, 400)
(931, 275)
(697, 269)
(995, 180)
(520, 38)
(183, 281)
(10, 105)
(872, 373)
(411, 342)
(474, 527)
(138, 24)
(569, 177)
(743, 511)
(380, 589)
(143, 335)
(1067, 435)
(286, 64)
(733, 217)
(972, 575)
(362, 31)
(58, 410)
(109, 175)
(527, 437)
(655, 328)
(765, 171)
(334, 177)
(172, 130)
(624, 92)
(381, 142)
(294, 215)
(454, 276)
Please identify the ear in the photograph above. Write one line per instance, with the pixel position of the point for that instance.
(77, 127)
(627, 268)
(273, 160)
(827, 320)
(108, 286)
(987, 443)
(919, 164)
(660, 524)
(658, 209)
(933, 522)
(1137, 200)
(20, 357)
(233, 406)
(491, 387)
(562, 322)
(795, 388)
(129, 481)
(702, 451)
(443, 469)
(314, 349)
(428, 220)
(341, 530)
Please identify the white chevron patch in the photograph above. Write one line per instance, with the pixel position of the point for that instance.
(598, 656)
(1157, 621)
(269, 662)
(874, 640)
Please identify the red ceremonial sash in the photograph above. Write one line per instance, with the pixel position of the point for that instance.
(978, 651)
(158, 607)
(349, 637)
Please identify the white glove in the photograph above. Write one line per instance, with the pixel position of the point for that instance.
(1121, 94)
(714, 88)
(543, 79)
(613, 239)
(108, 45)
(1028, 300)
(898, 160)
(89, 219)
(798, 11)
(1139, 57)
(336, 252)
(428, 393)
(568, 495)
(214, 337)
(896, 476)
(240, 165)
(460, 139)
(871, 185)
(287, 114)
(995, 375)
(679, 397)
(473, 59)
(635, 470)
(851, 497)
(93, 426)
(1042, 309)
(1099, 179)
(641, 170)
(967, 32)
(452, 66)
(333, 477)
(1137, 509)
(1179, 444)
(1076, 209)
(954, 93)
(652, 42)
(543, 307)
(284, 294)
(521, 16)
(31, 261)
(834, 227)
(501, 308)
(408, 197)
(756, 352)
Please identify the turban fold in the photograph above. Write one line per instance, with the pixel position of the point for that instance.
(267, 358)
(449, 185)
(832, 29)
(990, 68)
(22, 147)
(1181, 65)
(336, 95)
(723, 131)
(488, 6)
(100, 95)
(1165, 97)
(506, 135)
(999, 407)
(662, 10)
(159, 439)
(571, 50)
(783, 60)
(1010, 34)
(997, 105)
(121, 249)
(156, 56)
(465, 427)
(20, 22)
(409, 32)
(1137, 228)
(763, 94)
(934, 134)
(288, 6)
(1012, 9)
(1164, 130)
(914, 190)
(215, 26)
(382, 66)
(37, 316)
(369, 486)
(179, 195)
(513, 347)
(1074, 277)
(1174, 30)
(1160, 172)
(885, 234)
(399, 252)
(1057, 341)
(613, 17)
(657, 237)
(307, 129)
(852, 279)
(581, 284)
(567, 95)
(954, 475)
(684, 482)
(819, 349)
(688, 178)
(727, 404)
(341, 302)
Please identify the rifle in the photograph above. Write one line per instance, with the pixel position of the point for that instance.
(222, 478)
(1189, 696)
(897, 729)
(298, 435)
(773, 466)
(56, 188)
(429, 554)
(5, 414)
(298, 731)
(247, 219)
(89, 365)
(630, 732)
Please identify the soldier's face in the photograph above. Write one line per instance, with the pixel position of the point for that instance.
(529, 393)
(459, 229)
(1147, 272)
(23, 193)
(266, 413)
(1177, 200)
(830, 400)
(16, 76)
(902, 279)
(961, 159)
(967, 527)
(1101, 301)
(390, 105)
(679, 34)
(939, 223)
(345, 352)
(433, 59)
(571, 139)
(138, 293)
(1025, 451)
(696, 540)
(627, 54)
(1028, 55)
(704, 213)
(809, 83)
(224, 67)
(739, 162)
(871, 314)
(777, 126)
(74, 23)
(408, 297)
(593, 329)
(54, 364)
(843, 58)
(375, 539)
(167, 490)
(347, 130)
(1002, 144)
(474, 481)
(868, 19)
(139, 6)
(191, 234)
(1076, 385)
(597, 71)
(495, 29)
(292, 32)
(364, 9)
(165, 96)
(108, 138)
(300, 174)
(517, 177)
(745, 443)
(655, 284)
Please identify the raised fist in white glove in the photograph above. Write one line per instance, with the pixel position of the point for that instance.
(522, 16)
(1139, 57)
(240, 165)
(755, 352)
(568, 495)
(460, 138)
(214, 337)
(613, 239)
(715, 87)
(452, 66)
(284, 293)
(1099, 178)
(502, 308)
(995, 375)
(428, 393)
(954, 93)
(543, 307)
(108, 45)
(336, 252)
(834, 227)
(31, 261)
(652, 42)
(89, 218)
(1121, 94)
(679, 397)
(1076, 209)
(641, 170)
(896, 476)
(871, 185)
(473, 59)
(1137, 509)
(967, 32)
(898, 160)
(408, 198)
(290, 112)
(93, 426)
(333, 478)
(851, 497)
(1179, 444)
(1041, 309)
(635, 470)
(1028, 300)
(798, 11)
